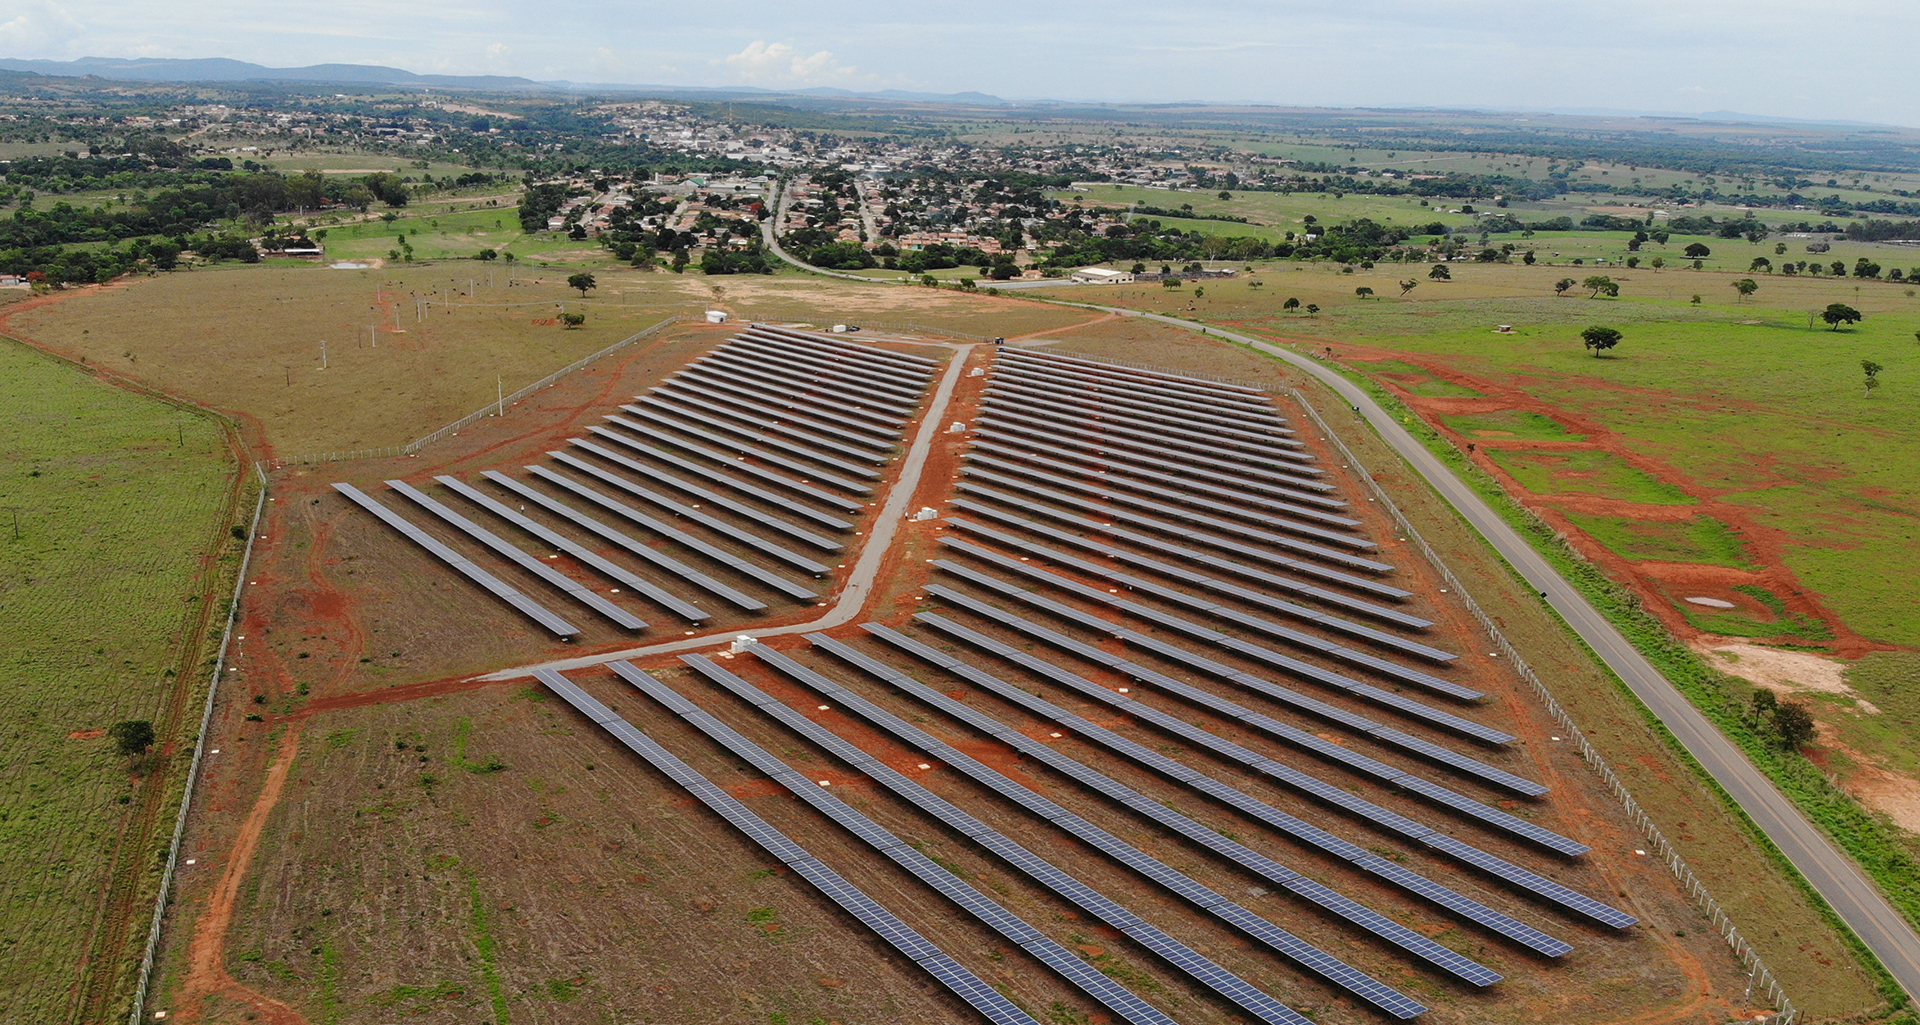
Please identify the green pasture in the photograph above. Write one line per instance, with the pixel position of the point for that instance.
(1701, 539)
(110, 502)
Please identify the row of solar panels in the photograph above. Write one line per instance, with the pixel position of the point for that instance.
(1038, 869)
(1490, 817)
(963, 983)
(1368, 812)
(1160, 378)
(1261, 865)
(1179, 884)
(1155, 810)
(1103, 438)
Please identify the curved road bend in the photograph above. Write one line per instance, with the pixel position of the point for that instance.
(1826, 868)
(847, 605)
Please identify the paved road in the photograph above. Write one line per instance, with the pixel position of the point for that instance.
(1828, 869)
(852, 599)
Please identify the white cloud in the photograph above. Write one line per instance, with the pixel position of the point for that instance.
(40, 28)
(779, 62)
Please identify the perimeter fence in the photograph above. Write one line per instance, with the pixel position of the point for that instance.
(497, 407)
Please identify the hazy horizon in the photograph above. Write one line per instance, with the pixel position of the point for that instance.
(1638, 56)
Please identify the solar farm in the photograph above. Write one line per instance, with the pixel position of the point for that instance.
(1215, 745)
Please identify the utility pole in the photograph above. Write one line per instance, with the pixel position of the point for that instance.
(499, 397)
(323, 354)
(373, 336)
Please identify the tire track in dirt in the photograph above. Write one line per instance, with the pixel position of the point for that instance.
(207, 973)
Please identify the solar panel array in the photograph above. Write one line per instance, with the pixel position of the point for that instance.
(870, 913)
(749, 466)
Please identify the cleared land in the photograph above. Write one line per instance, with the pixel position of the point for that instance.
(113, 560)
(517, 877)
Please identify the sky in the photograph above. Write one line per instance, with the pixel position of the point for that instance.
(1832, 59)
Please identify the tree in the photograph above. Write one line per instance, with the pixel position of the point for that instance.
(1528, 258)
(1761, 265)
(1410, 284)
(1560, 287)
(1697, 251)
(165, 255)
(1313, 310)
(1696, 299)
(1746, 287)
(132, 737)
(1139, 268)
(1793, 724)
(582, 281)
(1837, 314)
(1290, 305)
(1363, 292)
(1599, 283)
(1440, 273)
(1872, 370)
(1658, 262)
(1780, 249)
(573, 319)
(1660, 238)
(1600, 338)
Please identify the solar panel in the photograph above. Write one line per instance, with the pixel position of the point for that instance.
(1258, 415)
(751, 380)
(1093, 447)
(738, 465)
(1215, 977)
(1320, 963)
(850, 419)
(672, 533)
(1502, 869)
(1132, 558)
(1493, 817)
(1178, 487)
(1190, 452)
(1440, 956)
(684, 388)
(790, 372)
(708, 497)
(1164, 378)
(1041, 412)
(1365, 691)
(969, 987)
(866, 378)
(1472, 910)
(765, 429)
(1281, 448)
(762, 454)
(717, 477)
(714, 524)
(1107, 405)
(658, 558)
(462, 565)
(796, 367)
(584, 555)
(1109, 516)
(1070, 966)
(572, 588)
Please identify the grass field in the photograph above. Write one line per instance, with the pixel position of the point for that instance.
(1741, 400)
(247, 339)
(1586, 472)
(1702, 539)
(118, 500)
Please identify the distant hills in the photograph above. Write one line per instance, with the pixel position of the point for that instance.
(221, 69)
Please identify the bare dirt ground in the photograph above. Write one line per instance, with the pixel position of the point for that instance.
(360, 858)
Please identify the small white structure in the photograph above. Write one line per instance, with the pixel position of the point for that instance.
(957, 427)
(741, 643)
(839, 329)
(1101, 276)
(716, 316)
(977, 372)
(927, 512)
